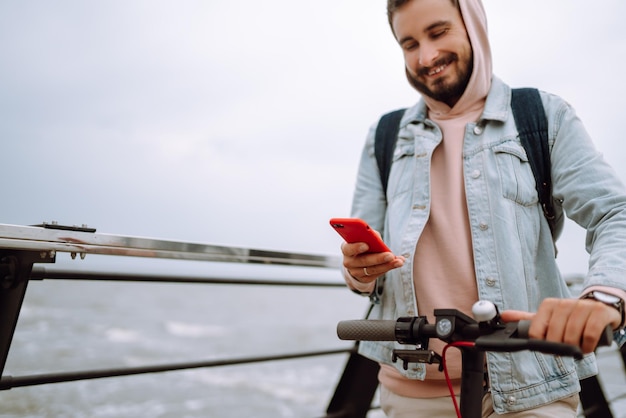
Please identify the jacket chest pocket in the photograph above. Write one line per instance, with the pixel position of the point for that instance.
(516, 176)
(400, 176)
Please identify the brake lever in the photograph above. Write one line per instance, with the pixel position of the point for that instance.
(514, 337)
(509, 339)
(606, 338)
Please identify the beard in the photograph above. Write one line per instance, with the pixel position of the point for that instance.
(441, 90)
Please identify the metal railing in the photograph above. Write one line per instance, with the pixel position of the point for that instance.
(23, 250)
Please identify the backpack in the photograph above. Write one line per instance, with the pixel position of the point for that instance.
(532, 125)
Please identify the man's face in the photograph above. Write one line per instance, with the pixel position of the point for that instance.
(437, 51)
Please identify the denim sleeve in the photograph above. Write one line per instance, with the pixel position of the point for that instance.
(591, 194)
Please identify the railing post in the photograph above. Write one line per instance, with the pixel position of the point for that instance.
(356, 388)
(15, 268)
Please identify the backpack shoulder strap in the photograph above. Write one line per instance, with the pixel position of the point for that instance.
(385, 143)
(532, 125)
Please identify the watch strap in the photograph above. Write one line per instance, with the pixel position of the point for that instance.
(619, 305)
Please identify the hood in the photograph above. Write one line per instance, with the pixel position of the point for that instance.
(475, 20)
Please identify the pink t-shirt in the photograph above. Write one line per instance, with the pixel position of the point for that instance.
(443, 271)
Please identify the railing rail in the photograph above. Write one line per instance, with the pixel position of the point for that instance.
(48, 239)
(10, 382)
(43, 273)
(24, 248)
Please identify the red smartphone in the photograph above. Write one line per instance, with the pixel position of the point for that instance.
(357, 230)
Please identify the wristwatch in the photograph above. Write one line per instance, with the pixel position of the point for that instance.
(610, 300)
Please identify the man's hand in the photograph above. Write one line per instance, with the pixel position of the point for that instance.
(366, 267)
(578, 322)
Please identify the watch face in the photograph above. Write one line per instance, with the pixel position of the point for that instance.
(606, 298)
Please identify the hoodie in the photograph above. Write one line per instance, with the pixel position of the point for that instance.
(444, 256)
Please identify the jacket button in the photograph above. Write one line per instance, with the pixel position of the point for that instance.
(491, 282)
(483, 226)
(478, 130)
(475, 174)
(511, 400)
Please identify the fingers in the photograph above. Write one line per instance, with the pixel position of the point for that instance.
(512, 316)
(579, 322)
(371, 272)
(366, 267)
(352, 250)
(371, 269)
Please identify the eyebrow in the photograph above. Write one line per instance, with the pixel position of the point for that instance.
(432, 26)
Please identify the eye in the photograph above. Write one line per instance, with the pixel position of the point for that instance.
(439, 33)
(410, 45)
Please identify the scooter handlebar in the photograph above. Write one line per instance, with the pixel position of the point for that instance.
(516, 340)
(367, 330)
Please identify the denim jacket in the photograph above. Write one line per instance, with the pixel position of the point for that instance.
(514, 253)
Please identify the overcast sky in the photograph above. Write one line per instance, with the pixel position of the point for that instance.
(241, 122)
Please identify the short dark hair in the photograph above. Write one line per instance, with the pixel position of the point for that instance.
(394, 5)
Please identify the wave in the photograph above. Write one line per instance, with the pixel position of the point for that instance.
(191, 330)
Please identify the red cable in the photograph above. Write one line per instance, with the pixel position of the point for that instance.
(445, 371)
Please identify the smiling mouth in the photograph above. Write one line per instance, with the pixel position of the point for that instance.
(437, 70)
(438, 67)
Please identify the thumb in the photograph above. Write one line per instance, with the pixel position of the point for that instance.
(511, 316)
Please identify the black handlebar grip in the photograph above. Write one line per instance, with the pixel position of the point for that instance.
(606, 339)
(367, 330)
(523, 327)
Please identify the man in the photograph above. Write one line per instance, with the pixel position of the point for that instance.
(462, 219)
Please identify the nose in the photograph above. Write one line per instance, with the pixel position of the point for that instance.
(428, 54)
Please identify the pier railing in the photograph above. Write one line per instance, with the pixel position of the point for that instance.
(26, 250)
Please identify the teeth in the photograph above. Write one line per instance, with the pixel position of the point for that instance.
(437, 70)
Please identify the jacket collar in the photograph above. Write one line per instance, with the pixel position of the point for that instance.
(497, 106)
